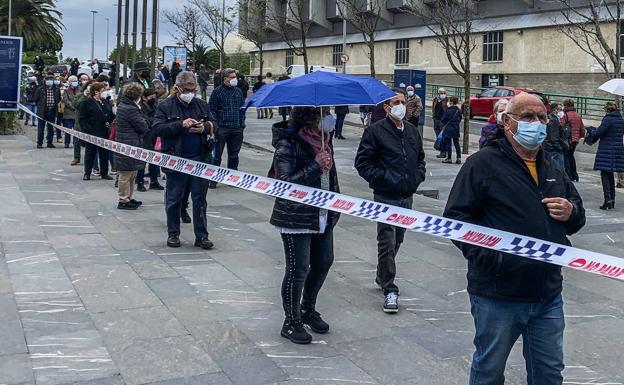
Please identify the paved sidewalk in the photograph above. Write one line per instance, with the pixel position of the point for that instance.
(89, 295)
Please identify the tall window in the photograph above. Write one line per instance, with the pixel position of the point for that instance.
(401, 53)
(290, 57)
(336, 52)
(493, 46)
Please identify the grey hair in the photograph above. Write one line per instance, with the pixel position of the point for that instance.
(185, 77)
(228, 71)
(498, 103)
(157, 81)
(511, 101)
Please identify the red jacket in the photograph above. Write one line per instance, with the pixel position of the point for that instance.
(578, 128)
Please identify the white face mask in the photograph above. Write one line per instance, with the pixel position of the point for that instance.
(560, 114)
(104, 94)
(329, 123)
(410, 93)
(499, 118)
(398, 111)
(187, 97)
(442, 96)
(234, 82)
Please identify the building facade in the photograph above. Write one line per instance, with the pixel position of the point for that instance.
(517, 42)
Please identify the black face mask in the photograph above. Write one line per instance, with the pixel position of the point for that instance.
(145, 74)
(151, 102)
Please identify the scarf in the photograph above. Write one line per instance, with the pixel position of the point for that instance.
(312, 136)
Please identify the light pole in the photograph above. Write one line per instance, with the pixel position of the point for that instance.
(93, 35)
(107, 19)
(344, 37)
(10, 6)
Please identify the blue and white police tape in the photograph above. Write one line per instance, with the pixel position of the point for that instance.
(507, 242)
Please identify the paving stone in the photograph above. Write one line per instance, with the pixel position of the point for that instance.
(12, 337)
(15, 369)
(204, 379)
(116, 380)
(8, 308)
(42, 286)
(253, 370)
(324, 371)
(121, 328)
(114, 287)
(171, 287)
(5, 283)
(153, 269)
(161, 359)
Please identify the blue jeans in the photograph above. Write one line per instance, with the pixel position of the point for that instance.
(558, 159)
(69, 123)
(500, 323)
(33, 108)
(340, 118)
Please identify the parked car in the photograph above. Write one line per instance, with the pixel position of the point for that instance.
(28, 69)
(483, 104)
(60, 70)
(105, 67)
(299, 69)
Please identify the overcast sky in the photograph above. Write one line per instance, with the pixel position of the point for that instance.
(78, 19)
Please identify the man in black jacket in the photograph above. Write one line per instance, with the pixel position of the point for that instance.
(392, 160)
(183, 124)
(555, 144)
(513, 186)
(47, 98)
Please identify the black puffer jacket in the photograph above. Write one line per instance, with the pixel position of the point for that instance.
(95, 117)
(392, 161)
(294, 162)
(554, 135)
(131, 127)
(495, 189)
(149, 140)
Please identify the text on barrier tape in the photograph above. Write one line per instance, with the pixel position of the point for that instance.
(507, 242)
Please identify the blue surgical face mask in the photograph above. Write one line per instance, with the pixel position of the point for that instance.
(442, 96)
(57, 82)
(530, 135)
(74, 84)
(329, 123)
(49, 83)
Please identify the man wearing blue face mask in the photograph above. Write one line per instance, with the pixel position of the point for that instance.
(47, 99)
(513, 185)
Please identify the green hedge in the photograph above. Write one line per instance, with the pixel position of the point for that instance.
(9, 124)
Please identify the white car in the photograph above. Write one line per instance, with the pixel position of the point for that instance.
(28, 69)
(299, 70)
(105, 67)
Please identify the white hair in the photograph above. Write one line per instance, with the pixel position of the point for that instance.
(185, 77)
(500, 102)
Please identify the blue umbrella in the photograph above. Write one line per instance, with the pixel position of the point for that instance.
(319, 89)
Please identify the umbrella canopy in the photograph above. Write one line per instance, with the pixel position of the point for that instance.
(319, 89)
(613, 86)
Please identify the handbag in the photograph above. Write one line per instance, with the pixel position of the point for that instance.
(113, 131)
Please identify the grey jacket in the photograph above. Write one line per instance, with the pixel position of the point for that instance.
(131, 127)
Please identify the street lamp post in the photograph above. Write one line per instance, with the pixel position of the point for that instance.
(93, 35)
(10, 6)
(107, 19)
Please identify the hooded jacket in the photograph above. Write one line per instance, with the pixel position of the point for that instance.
(610, 154)
(294, 162)
(495, 189)
(131, 127)
(391, 160)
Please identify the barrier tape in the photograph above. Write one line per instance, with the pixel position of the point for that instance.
(507, 242)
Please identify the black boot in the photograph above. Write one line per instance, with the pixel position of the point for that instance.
(296, 333)
(141, 187)
(313, 319)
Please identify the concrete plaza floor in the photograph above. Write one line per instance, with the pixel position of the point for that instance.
(90, 295)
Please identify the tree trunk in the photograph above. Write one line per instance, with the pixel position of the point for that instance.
(466, 110)
(371, 56)
(304, 49)
(261, 59)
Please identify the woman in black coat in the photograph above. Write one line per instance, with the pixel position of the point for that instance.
(95, 116)
(131, 128)
(450, 129)
(610, 154)
(304, 156)
(148, 108)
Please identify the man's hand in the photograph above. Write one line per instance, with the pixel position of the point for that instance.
(560, 209)
(186, 123)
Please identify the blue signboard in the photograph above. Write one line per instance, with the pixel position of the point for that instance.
(175, 54)
(10, 72)
(416, 79)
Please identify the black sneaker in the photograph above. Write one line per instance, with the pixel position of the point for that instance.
(136, 202)
(296, 333)
(391, 303)
(39, 146)
(458, 161)
(212, 185)
(204, 243)
(184, 215)
(313, 319)
(66, 145)
(441, 155)
(126, 206)
(173, 240)
(50, 145)
(155, 186)
(106, 177)
(141, 187)
(86, 177)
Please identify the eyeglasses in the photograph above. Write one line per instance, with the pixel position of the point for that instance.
(531, 116)
(187, 90)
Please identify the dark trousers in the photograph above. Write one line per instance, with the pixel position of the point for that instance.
(152, 171)
(177, 183)
(389, 239)
(233, 140)
(185, 198)
(340, 118)
(571, 163)
(437, 128)
(50, 116)
(69, 123)
(91, 150)
(449, 143)
(608, 185)
(308, 260)
(59, 121)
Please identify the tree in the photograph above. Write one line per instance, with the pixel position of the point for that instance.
(131, 52)
(252, 25)
(450, 22)
(187, 23)
(289, 19)
(218, 24)
(37, 21)
(365, 17)
(240, 61)
(585, 27)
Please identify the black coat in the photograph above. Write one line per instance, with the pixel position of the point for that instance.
(41, 98)
(390, 160)
(554, 135)
(450, 121)
(168, 124)
(95, 117)
(149, 140)
(495, 189)
(131, 127)
(294, 162)
(610, 154)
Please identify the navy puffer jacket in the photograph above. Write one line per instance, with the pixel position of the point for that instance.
(610, 154)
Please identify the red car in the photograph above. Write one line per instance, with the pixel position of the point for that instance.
(483, 104)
